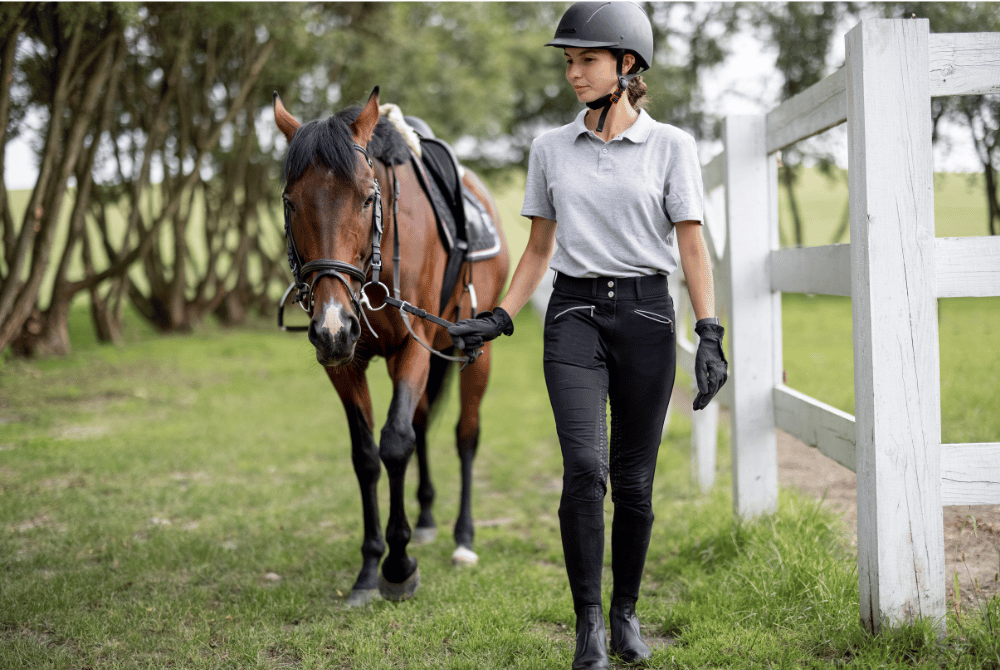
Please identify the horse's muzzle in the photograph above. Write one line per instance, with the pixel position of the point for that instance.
(335, 338)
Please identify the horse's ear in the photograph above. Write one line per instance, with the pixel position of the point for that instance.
(286, 122)
(364, 126)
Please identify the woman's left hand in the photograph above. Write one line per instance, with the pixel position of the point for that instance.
(470, 335)
(710, 366)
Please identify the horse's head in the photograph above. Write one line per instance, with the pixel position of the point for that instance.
(330, 199)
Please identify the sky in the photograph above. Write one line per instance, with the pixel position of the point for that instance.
(735, 87)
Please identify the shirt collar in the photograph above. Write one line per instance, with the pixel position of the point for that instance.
(637, 133)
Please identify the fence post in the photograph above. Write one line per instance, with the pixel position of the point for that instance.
(896, 374)
(754, 444)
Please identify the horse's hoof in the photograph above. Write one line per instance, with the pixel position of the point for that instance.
(463, 556)
(399, 592)
(361, 597)
(423, 535)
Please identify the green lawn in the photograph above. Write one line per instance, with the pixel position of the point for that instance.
(189, 502)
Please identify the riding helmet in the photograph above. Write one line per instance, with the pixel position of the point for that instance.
(607, 25)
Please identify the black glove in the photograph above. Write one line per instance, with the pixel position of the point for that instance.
(470, 335)
(710, 366)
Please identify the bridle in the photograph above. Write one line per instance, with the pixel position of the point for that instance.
(325, 267)
(304, 289)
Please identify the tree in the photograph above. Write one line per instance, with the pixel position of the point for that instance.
(73, 49)
(158, 155)
(980, 113)
(802, 33)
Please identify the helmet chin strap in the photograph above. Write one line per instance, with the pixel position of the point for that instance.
(611, 99)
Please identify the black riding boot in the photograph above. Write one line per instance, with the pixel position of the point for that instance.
(581, 524)
(591, 643)
(626, 638)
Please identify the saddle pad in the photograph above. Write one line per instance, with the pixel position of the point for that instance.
(460, 214)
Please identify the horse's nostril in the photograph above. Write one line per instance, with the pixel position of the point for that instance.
(313, 334)
(353, 328)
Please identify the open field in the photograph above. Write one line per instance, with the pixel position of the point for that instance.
(189, 502)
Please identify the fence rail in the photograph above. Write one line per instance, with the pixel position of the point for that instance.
(894, 270)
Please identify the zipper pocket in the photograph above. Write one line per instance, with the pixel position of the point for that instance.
(571, 309)
(652, 316)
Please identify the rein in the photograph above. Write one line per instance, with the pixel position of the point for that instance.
(336, 269)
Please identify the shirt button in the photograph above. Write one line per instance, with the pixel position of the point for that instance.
(611, 294)
(604, 151)
(611, 284)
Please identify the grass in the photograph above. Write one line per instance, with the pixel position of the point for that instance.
(189, 502)
(819, 361)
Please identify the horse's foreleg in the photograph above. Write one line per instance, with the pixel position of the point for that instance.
(400, 576)
(472, 387)
(426, 529)
(353, 390)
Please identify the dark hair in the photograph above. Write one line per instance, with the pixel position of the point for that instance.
(637, 93)
(637, 90)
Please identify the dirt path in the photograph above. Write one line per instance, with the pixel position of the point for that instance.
(971, 549)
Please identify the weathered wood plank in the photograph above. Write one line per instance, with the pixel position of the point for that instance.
(777, 334)
(896, 368)
(704, 443)
(964, 63)
(820, 107)
(754, 445)
(967, 267)
(817, 424)
(713, 174)
(970, 474)
(822, 270)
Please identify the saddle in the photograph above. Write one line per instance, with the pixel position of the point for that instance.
(466, 228)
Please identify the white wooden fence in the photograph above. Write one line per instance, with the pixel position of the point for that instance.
(894, 270)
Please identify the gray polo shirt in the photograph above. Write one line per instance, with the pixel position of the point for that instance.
(615, 204)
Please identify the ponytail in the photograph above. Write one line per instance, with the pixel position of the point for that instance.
(637, 93)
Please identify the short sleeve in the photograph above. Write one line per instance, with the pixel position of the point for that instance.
(537, 201)
(684, 191)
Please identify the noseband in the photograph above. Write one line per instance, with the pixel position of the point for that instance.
(324, 267)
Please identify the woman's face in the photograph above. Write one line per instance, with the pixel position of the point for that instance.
(593, 72)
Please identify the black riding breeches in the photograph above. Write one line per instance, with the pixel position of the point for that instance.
(608, 339)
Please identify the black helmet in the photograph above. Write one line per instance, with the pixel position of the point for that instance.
(607, 25)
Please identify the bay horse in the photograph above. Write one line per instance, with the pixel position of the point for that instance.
(342, 176)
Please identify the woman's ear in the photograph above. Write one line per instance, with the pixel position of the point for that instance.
(628, 63)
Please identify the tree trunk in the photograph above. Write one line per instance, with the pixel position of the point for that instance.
(788, 175)
(993, 207)
(55, 341)
(54, 338)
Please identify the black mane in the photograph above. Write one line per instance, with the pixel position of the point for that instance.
(327, 142)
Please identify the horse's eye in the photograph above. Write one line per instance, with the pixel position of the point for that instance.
(289, 207)
(370, 201)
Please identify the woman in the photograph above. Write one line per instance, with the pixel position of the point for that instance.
(605, 195)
